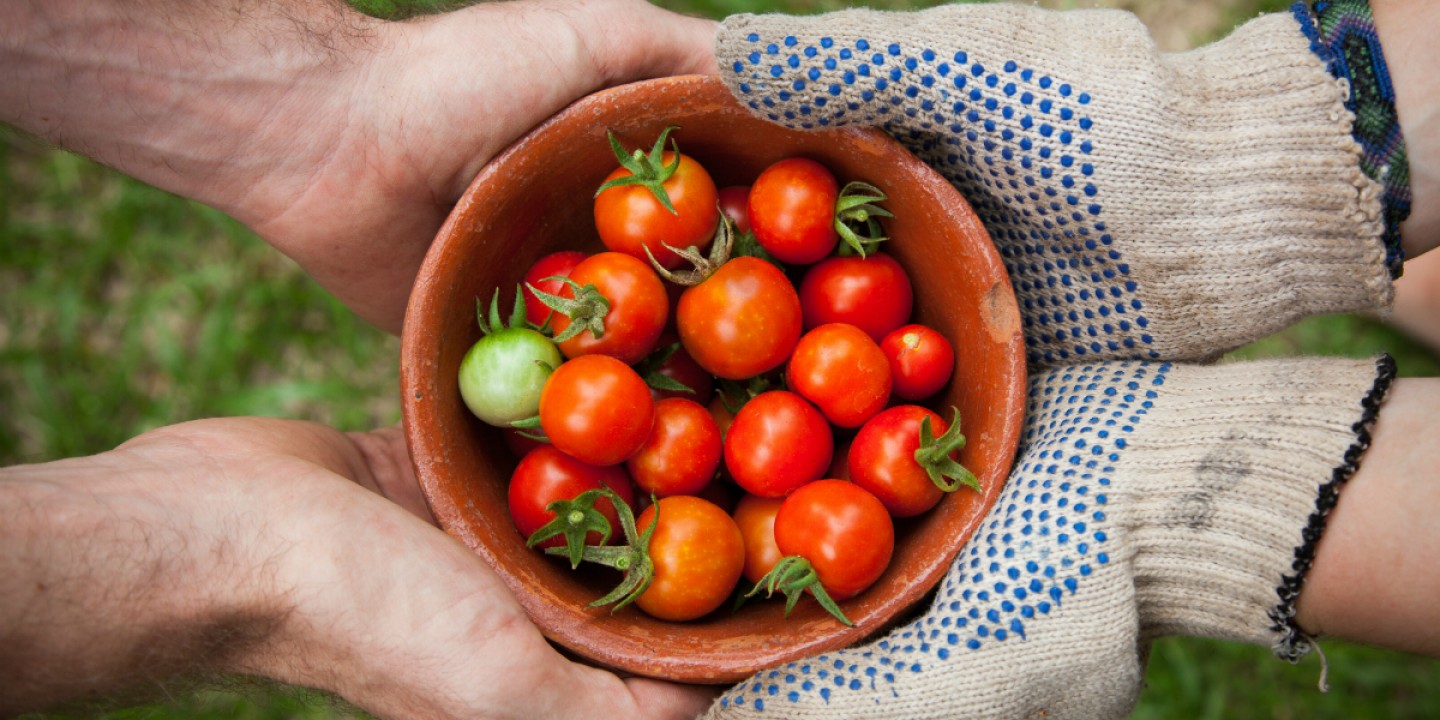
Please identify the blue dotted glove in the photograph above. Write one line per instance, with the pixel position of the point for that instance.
(1150, 499)
(1147, 205)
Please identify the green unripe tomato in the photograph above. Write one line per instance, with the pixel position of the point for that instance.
(503, 373)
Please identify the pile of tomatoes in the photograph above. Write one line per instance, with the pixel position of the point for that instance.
(683, 366)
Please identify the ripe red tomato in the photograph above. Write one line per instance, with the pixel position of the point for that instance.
(698, 554)
(777, 443)
(546, 475)
(629, 218)
(596, 408)
(792, 210)
(734, 203)
(882, 460)
(756, 518)
(557, 264)
(682, 453)
(741, 321)
(921, 361)
(872, 293)
(638, 308)
(840, 369)
(842, 530)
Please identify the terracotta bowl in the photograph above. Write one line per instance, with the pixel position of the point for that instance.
(534, 199)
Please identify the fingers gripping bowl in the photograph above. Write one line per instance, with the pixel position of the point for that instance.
(534, 200)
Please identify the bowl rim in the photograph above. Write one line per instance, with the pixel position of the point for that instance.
(561, 628)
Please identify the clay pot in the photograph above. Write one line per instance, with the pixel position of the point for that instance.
(534, 199)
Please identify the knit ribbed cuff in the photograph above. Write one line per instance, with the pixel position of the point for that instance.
(1241, 472)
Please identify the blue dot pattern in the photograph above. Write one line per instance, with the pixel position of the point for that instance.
(1047, 535)
(1017, 142)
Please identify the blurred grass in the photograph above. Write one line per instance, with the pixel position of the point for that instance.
(123, 308)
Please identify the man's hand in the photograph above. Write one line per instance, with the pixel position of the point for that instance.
(341, 140)
(257, 546)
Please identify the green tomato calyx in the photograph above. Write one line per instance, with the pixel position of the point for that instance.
(631, 558)
(648, 171)
(793, 575)
(935, 456)
(491, 324)
(857, 218)
(575, 519)
(586, 310)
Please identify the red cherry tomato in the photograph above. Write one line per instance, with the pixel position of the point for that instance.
(629, 218)
(638, 308)
(872, 293)
(741, 321)
(682, 453)
(792, 210)
(734, 203)
(777, 443)
(546, 475)
(698, 554)
(597, 409)
(756, 518)
(557, 264)
(882, 460)
(840, 369)
(921, 361)
(842, 530)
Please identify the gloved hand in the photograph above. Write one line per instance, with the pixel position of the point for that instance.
(1149, 207)
(1151, 499)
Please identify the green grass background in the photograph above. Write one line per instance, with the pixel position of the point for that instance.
(123, 308)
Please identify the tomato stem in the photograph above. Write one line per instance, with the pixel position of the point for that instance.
(793, 575)
(857, 218)
(703, 266)
(647, 171)
(632, 558)
(586, 310)
(575, 519)
(935, 455)
(492, 323)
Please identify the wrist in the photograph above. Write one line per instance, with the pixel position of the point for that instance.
(1405, 29)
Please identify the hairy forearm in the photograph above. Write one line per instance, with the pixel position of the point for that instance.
(116, 575)
(174, 93)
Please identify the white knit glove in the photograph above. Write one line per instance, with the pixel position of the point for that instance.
(1150, 499)
(1147, 205)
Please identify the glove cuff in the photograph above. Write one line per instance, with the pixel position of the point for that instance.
(1242, 472)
